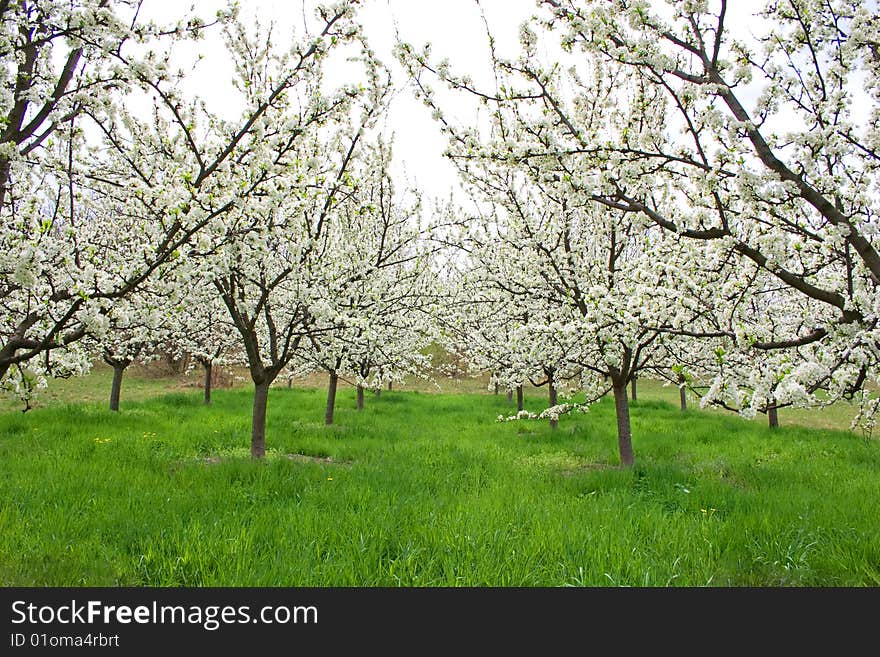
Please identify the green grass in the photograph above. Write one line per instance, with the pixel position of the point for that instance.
(139, 383)
(427, 490)
(145, 382)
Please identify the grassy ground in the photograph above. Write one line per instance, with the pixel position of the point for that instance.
(423, 490)
(141, 383)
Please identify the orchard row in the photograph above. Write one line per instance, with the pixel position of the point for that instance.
(681, 193)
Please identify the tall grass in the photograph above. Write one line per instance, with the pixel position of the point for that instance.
(428, 490)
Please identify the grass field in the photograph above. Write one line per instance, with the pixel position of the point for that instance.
(424, 490)
(142, 383)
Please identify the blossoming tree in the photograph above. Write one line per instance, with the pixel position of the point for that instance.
(278, 251)
(381, 296)
(763, 147)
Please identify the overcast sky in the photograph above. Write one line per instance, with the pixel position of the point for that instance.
(456, 31)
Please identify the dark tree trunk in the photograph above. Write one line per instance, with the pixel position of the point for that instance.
(331, 398)
(378, 392)
(624, 431)
(258, 421)
(634, 394)
(390, 385)
(682, 395)
(519, 398)
(5, 168)
(496, 388)
(209, 367)
(510, 396)
(116, 388)
(360, 397)
(773, 417)
(553, 399)
(290, 382)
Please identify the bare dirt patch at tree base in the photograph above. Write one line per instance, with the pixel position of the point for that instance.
(588, 467)
(306, 458)
(299, 458)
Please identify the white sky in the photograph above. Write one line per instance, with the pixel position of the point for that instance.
(457, 32)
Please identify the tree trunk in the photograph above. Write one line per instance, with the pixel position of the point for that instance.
(290, 382)
(208, 370)
(360, 397)
(682, 395)
(116, 388)
(331, 398)
(519, 398)
(510, 396)
(773, 417)
(635, 396)
(390, 385)
(258, 421)
(553, 398)
(496, 388)
(5, 168)
(624, 431)
(378, 392)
